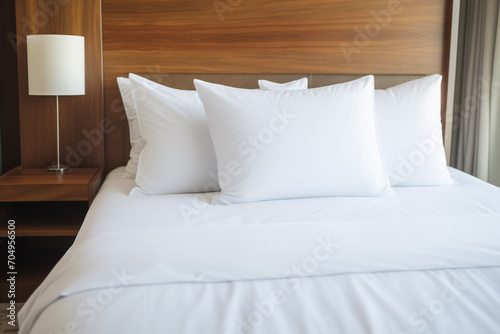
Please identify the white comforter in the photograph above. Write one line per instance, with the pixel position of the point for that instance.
(279, 258)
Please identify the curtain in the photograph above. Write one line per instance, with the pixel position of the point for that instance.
(476, 115)
(494, 163)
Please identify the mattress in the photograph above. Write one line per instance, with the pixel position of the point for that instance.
(426, 260)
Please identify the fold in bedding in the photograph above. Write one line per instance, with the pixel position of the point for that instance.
(266, 252)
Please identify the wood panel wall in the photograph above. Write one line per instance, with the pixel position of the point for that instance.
(266, 36)
(82, 141)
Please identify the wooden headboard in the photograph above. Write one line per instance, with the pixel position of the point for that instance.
(328, 40)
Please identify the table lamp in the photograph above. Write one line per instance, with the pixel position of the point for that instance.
(56, 66)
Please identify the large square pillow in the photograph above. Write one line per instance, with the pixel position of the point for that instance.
(136, 141)
(178, 155)
(410, 135)
(294, 144)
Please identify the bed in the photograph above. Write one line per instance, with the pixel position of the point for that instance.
(162, 252)
(427, 261)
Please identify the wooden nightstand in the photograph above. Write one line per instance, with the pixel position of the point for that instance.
(48, 210)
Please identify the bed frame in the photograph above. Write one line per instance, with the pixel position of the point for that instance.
(235, 41)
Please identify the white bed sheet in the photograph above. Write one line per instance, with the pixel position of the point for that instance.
(424, 261)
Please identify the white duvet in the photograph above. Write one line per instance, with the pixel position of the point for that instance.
(424, 261)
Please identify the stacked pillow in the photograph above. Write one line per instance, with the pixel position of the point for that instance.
(178, 154)
(295, 84)
(284, 141)
(294, 144)
(136, 141)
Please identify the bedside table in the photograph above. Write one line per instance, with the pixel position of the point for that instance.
(48, 210)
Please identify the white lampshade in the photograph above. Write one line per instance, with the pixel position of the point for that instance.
(56, 65)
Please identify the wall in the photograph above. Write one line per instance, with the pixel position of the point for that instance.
(82, 141)
(178, 36)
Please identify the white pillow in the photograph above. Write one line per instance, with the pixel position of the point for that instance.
(296, 84)
(294, 144)
(409, 132)
(136, 141)
(178, 156)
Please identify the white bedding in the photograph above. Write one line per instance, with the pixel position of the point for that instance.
(424, 261)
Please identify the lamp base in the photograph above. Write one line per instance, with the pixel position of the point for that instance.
(58, 169)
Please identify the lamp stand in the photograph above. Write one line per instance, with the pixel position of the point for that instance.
(58, 168)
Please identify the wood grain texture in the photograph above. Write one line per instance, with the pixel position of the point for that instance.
(264, 36)
(78, 114)
(25, 185)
